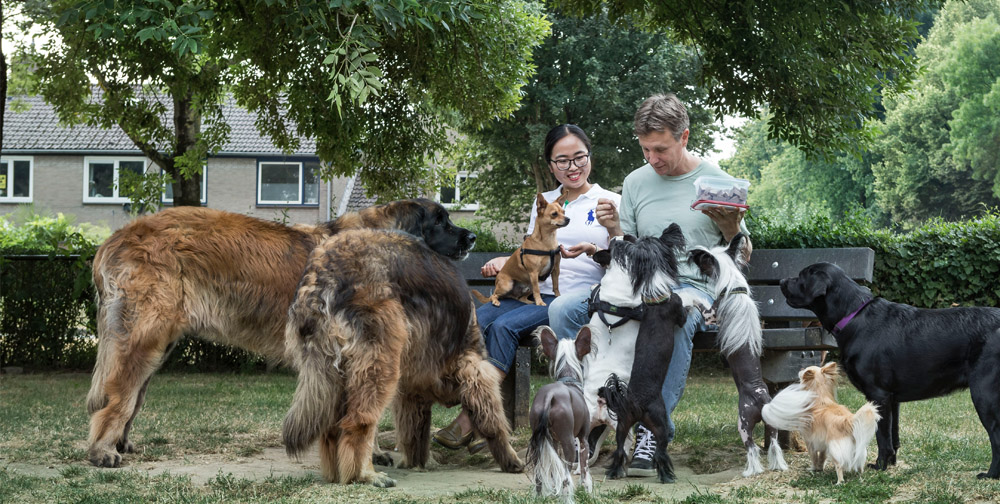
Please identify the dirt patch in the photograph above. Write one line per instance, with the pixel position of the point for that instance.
(441, 479)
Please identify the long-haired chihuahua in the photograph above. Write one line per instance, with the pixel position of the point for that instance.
(828, 428)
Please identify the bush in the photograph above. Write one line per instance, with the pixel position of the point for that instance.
(486, 239)
(45, 324)
(936, 265)
(47, 309)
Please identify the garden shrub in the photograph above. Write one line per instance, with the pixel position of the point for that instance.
(936, 265)
(47, 309)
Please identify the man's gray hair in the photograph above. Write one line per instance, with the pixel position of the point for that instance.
(661, 113)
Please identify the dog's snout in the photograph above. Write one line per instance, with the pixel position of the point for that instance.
(471, 238)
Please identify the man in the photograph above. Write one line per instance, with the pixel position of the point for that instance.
(654, 196)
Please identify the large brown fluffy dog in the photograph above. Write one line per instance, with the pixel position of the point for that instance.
(379, 317)
(223, 277)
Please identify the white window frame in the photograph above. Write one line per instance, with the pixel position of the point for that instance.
(204, 189)
(302, 192)
(459, 204)
(10, 179)
(115, 199)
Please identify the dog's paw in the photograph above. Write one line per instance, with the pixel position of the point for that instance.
(983, 475)
(125, 447)
(382, 459)
(382, 480)
(615, 472)
(102, 457)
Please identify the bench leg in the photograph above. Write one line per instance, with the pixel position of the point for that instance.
(516, 389)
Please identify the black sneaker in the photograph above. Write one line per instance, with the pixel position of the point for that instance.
(642, 457)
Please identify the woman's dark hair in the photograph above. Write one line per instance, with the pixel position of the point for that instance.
(558, 133)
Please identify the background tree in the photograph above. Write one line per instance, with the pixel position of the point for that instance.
(816, 66)
(594, 74)
(940, 139)
(786, 184)
(374, 82)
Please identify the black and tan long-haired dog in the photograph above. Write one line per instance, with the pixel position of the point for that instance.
(895, 353)
(740, 341)
(647, 269)
(220, 276)
(379, 317)
(558, 416)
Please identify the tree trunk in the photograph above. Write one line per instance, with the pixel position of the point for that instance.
(187, 127)
(3, 83)
(544, 181)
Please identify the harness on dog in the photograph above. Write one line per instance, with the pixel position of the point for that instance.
(550, 253)
(847, 320)
(595, 305)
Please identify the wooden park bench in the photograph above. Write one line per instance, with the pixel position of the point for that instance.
(792, 337)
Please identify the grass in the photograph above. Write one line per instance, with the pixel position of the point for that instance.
(43, 423)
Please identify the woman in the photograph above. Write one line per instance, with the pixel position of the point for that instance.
(567, 152)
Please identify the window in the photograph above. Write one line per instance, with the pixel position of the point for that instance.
(100, 178)
(284, 183)
(168, 191)
(451, 196)
(17, 179)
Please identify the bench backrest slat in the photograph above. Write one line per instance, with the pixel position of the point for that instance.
(770, 266)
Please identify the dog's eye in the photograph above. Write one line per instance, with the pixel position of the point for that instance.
(555, 214)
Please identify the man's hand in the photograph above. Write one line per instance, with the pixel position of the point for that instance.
(727, 218)
(607, 216)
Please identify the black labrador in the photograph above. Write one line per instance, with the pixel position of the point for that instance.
(896, 353)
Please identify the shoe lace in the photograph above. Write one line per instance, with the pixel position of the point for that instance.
(645, 445)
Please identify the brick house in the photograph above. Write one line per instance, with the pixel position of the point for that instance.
(75, 171)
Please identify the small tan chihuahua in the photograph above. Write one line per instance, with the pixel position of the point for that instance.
(537, 258)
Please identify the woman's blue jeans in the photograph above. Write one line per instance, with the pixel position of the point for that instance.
(504, 326)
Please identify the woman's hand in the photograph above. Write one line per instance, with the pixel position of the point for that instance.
(493, 266)
(727, 218)
(580, 248)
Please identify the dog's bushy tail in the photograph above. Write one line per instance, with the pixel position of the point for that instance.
(616, 394)
(790, 409)
(312, 338)
(864, 424)
(552, 473)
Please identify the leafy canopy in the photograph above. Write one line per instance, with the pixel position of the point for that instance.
(940, 139)
(818, 67)
(373, 82)
(594, 74)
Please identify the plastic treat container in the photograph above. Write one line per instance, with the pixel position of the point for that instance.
(720, 191)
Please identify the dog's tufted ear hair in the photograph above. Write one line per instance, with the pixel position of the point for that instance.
(603, 257)
(831, 370)
(808, 375)
(630, 238)
(583, 342)
(735, 249)
(548, 340)
(705, 261)
(673, 237)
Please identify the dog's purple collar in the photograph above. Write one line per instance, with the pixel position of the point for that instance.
(847, 320)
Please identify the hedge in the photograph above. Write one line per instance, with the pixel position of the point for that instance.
(47, 311)
(936, 265)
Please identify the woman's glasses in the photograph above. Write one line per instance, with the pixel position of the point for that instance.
(579, 161)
